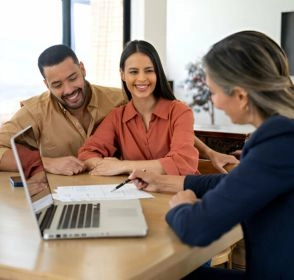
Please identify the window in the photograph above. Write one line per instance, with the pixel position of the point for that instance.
(27, 28)
(96, 37)
(287, 37)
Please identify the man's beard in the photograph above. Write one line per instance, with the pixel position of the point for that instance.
(73, 106)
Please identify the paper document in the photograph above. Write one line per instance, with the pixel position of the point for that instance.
(98, 192)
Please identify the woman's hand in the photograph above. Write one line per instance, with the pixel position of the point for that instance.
(220, 160)
(146, 181)
(107, 166)
(154, 182)
(183, 197)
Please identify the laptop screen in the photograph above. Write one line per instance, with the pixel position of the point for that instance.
(31, 169)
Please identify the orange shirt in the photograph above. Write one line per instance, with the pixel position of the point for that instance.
(170, 137)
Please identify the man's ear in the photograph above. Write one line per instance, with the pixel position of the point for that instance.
(46, 83)
(83, 69)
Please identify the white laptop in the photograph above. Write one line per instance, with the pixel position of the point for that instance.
(59, 220)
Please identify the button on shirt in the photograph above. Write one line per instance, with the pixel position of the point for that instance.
(59, 133)
(169, 138)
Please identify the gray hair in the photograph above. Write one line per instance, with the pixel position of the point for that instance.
(253, 61)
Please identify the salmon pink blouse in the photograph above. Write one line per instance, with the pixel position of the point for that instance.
(169, 138)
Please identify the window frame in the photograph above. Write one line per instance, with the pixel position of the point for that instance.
(67, 24)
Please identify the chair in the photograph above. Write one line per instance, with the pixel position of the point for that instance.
(224, 258)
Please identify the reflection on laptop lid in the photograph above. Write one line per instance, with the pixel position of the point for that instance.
(58, 220)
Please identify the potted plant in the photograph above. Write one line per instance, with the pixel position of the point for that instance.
(196, 86)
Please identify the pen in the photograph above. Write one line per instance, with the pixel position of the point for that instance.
(121, 184)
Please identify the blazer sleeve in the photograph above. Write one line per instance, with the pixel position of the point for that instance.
(238, 196)
(201, 184)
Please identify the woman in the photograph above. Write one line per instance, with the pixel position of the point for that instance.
(153, 131)
(248, 76)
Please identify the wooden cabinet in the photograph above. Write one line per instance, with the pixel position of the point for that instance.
(223, 142)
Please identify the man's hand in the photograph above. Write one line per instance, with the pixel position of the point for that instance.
(69, 165)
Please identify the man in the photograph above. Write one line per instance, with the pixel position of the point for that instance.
(65, 115)
(62, 117)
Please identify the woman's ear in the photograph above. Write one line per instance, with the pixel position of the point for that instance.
(242, 96)
(122, 75)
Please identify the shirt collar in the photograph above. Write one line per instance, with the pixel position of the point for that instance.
(161, 110)
(93, 97)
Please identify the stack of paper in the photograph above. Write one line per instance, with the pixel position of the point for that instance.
(98, 192)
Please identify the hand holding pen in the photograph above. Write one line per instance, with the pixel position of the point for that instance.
(121, 184)
(154, 182)
(125, 182)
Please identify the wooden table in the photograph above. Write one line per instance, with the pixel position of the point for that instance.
(160, 255)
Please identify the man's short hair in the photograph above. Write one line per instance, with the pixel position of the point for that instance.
(54, 55)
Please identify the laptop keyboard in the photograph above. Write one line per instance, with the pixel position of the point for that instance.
(85, 215)
(79, 216)
(48, 217)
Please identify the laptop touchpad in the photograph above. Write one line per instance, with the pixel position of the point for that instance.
(122, 212)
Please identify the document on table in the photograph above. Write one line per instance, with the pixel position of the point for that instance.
(98, 192)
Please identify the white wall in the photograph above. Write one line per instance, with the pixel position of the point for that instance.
(192, 26)
(149, 23)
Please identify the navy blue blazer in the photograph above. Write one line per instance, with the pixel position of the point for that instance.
(258, 193)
